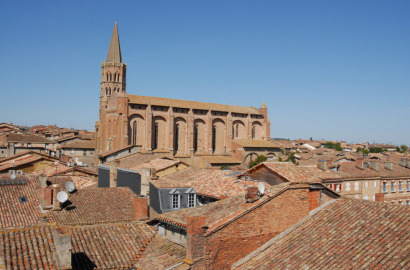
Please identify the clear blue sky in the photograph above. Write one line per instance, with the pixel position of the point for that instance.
(336, 70)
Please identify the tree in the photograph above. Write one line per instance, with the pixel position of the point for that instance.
(280, 159)
(404, 147)
(375, 150)
(338, 147)
(311, 139)
(293, 158)
(282, 151)
(398, 149)
(257, 161)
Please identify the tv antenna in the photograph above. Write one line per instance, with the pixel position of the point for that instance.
(62, 197)
(70, 186)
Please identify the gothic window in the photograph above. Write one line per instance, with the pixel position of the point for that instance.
(107, 76)
(253, 132)
(236, 131)
(155, 136)
(134, 133)
(176, 137)
(214, 138)
(110, 77)
(195, 138)
(106, 91)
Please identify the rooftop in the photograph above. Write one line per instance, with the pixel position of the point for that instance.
(345, 234)
(256, 143)
(12, 137)
(158, 164)
(88, 144)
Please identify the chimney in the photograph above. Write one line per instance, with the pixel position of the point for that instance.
(146, 175)
(359, 163)
(388, 165)
(113, 174)
(195, 249)
(408, 163)
(322, 165)
(379, 197)
(46, 198)
(62, 243)
(374, 165)
(56, 204)
(43, 180)
(403, 162)
(251, 194)
(141, 208)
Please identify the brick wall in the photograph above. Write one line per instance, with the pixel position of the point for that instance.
(249, 232)
(314, 196)
(141, 208)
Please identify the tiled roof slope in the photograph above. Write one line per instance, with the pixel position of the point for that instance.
(289, 171)
(158, 101)
(218, 212)
(133, 160)
(20, 161)
(187, 175)
(79, 182)
(158, 164)
(96, 205)
(88, 144)
(346, 234)
(113, 246)
(221, 160)
(320, 173)
(51, 171)
(162, 183)
(256, 143)
(162, 254)
(14, 213)
(27, 138)
(351, 170)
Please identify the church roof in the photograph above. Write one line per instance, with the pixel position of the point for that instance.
(168, 102)
(114, 52)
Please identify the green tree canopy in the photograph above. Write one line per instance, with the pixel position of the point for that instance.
(257, 161)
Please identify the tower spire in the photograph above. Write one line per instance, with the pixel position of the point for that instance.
(114, 52)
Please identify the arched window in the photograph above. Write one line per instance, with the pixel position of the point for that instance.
(176, 137)
(196, 138)
(237, 130)
(110, 77)
(214, 138)
(155, 136)
(253, 132)
(106, 91)
(107, 76)
(134, 133)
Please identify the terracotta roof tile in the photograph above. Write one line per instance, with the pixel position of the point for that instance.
(89, 144)
(347, 234)
(256, 143)
(19, 161)
(158, 164)
(157, 101)
(27, 138)
(15, 213)
(162, 254)
(221, 160)
(96, 205)
(107, 153)
(162, 183)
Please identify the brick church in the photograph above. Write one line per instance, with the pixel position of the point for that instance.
(180, 129)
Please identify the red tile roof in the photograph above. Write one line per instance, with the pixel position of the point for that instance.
(15, 213)
(158, 164)
(96, 205)
(27, 138)
(162, 183)
(18, 162)
(113, 246)
(221, 160)
(89, 144)
(162, 254)
(346, 234)
(107, 153)
(256, 143)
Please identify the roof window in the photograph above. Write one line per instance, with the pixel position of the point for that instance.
(23, 199)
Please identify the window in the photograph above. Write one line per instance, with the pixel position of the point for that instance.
(366, 184)
(46, 145)
(253, 132)
(408, 185)
(236, 131)
(175, 200)
(400, 185)
(176, 137)
(392, 186)
(23, 199)
(191, 200)
(84, 153)
(155, 136)
(91, 152)
(375, 183)
(407, 202)
(400, 202)
(134, 133)
(213, 139)
(196, 138)
(72, 150)
(384, 187)
(15, 144)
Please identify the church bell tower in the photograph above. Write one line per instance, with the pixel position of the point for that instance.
(111, 129)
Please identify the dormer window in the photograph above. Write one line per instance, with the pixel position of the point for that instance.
(175, 198)
(191, 198)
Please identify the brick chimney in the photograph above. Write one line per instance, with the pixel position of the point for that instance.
(388, 165)
(322, 165)
(195, 250)
(374, 165)
(62, 243)
(146, 175)
(403, 161)
(113, 174)
(379, 197)
(251, 194)
(56, 204)
(141, 208)
(46, 198)
(359, 163)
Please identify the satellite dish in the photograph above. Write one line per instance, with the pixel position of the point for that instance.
(261, 188)
(62, 196)
(56, 163)
(13, 176)
(68, 164)
(70, 187)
